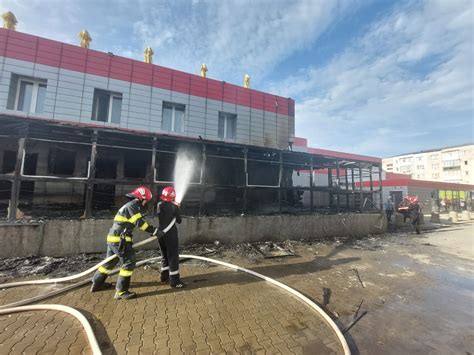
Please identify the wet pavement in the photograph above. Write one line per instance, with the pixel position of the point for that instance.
(417, 292)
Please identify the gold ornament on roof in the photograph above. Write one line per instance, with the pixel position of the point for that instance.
(203, 70)
(85, 39)
(247, 81)
(9, 20)
(149, 55)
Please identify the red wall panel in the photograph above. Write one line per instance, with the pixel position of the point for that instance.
(3, 41)
(48, 52)
(162, 77)
(43, 51)
(230, 93)
(21, 46)
(181, 82)
(243, 96)
(120, 68)
(198, 86)
(73, 58)
(257, 100)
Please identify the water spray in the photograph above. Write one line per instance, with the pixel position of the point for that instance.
(183, 172)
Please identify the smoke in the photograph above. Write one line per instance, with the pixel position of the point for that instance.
(183, 172)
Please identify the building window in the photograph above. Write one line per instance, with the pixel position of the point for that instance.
(420, 167)
(435, 166)
(434, 157)
(107, 106)
(435, 175)
(465, 162)
(173, 117)
(227, 125)
(451, 164)
(30, 94)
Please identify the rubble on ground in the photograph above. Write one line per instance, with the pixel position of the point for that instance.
(253, 253)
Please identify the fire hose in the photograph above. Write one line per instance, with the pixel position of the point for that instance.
(14, 307)
(84, 273)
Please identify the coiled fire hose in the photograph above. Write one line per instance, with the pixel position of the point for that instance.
(13, 307)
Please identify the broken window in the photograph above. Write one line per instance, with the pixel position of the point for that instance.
(27, 94)
(135, 165)
(61, 161)
(173, 117)
(9, 160)
(227, 125)
(107, 106)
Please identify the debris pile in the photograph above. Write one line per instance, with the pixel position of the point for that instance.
(45, 265)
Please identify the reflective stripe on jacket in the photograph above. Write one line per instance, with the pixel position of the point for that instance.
(127, 218)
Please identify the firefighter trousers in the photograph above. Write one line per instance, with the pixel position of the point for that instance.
(170, 257)
(127, 259)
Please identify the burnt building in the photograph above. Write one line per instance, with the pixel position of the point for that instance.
(79, 128)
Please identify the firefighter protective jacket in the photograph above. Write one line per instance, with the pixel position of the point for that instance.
(166, 212)
(127, 218)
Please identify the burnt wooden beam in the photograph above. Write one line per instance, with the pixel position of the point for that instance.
(151, 178)
(90, 180)
(15, 193)
(244, 200)
(203, 180)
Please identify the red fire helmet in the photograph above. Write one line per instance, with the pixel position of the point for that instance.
(142, 193)
(412, 199)
(168, 194)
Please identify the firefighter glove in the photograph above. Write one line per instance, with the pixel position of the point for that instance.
(157, 233)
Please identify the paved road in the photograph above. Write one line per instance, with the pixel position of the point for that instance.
(417, 291)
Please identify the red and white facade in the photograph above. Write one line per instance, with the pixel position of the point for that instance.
(67, 82)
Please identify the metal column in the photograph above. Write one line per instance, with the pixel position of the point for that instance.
(361, 185)
(347, 189)
(380, 185)
(338, 195)
(371, 186)
(244, 200)
(311, 193)
(280, 176)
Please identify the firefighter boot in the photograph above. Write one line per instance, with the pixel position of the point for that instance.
(100, 287)
(176, 282)
(122, 292)
(165, 276)
(98, 281)
(125, 295)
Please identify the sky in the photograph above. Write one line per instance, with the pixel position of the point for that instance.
(373, 77)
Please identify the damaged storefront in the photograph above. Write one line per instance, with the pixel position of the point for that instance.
(62, 170)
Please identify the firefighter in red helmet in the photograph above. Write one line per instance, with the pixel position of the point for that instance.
(120, 240)
(168, 209)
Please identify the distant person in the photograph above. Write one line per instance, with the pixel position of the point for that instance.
(389, 207)
(168, 209)
(120, 241)
(410, 208)
(443, 204)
